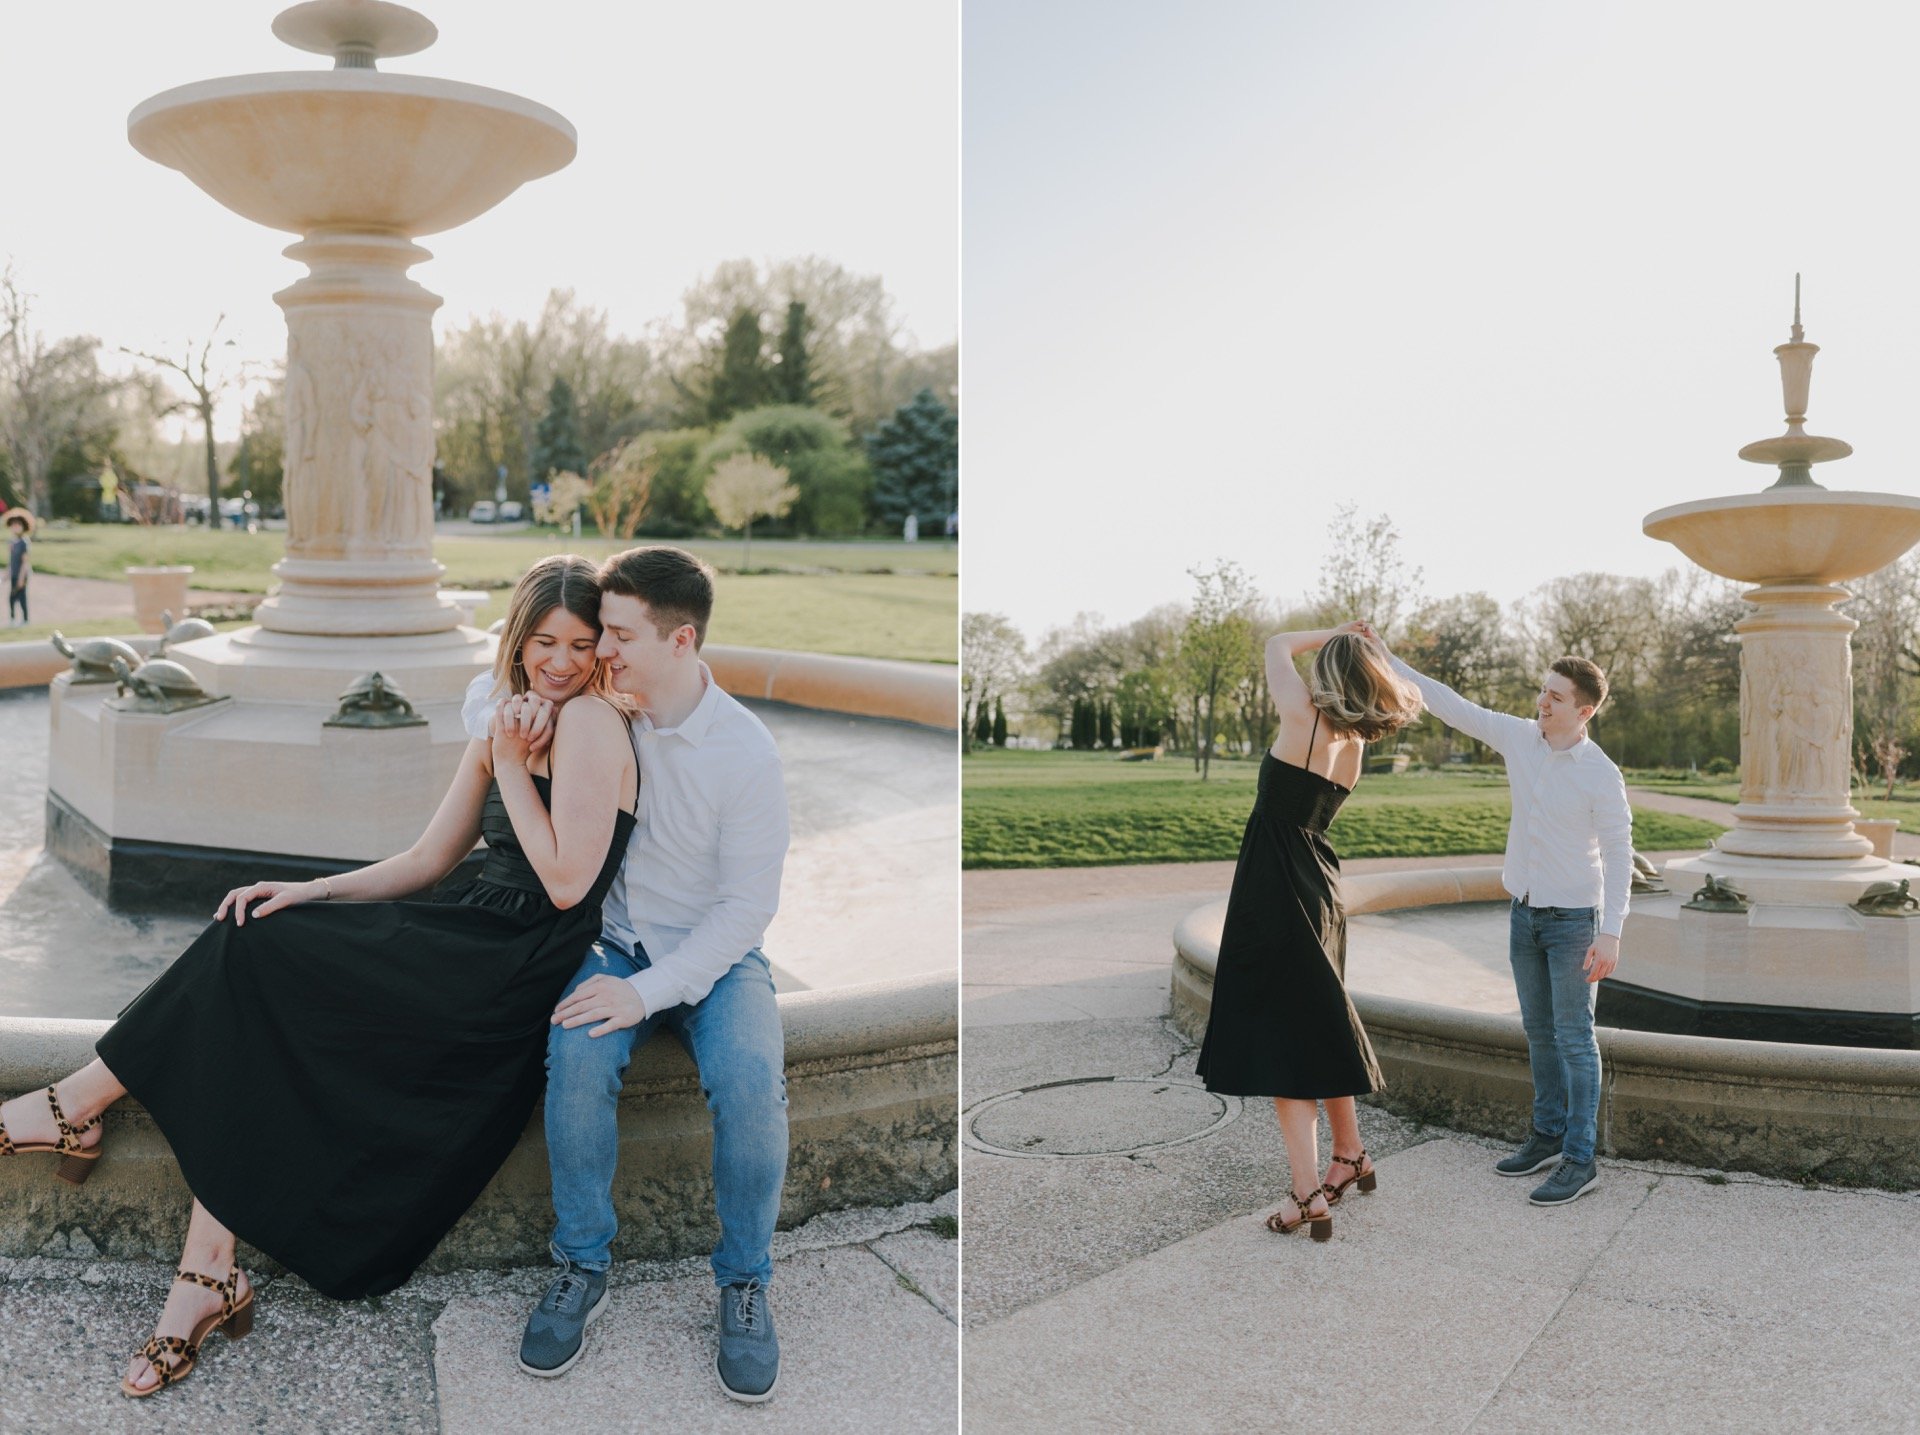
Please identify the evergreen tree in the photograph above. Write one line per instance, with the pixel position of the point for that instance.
(982, 725)
(556, 442)
(743, 381)
(916, 461)
(999, 723)
(1106, 723)
(793, 380)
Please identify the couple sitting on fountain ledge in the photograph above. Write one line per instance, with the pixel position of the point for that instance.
(339, 1082)
(1281, 1024)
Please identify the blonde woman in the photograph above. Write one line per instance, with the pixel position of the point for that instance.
(340, 1070)
(1281, 1024)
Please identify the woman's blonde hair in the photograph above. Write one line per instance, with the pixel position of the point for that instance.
(565, 580)
(1358, 690)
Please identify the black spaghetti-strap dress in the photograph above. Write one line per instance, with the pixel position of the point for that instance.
(340, 1080)
(1281, 1023)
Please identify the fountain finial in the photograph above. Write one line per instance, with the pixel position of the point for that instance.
(1796, 451)
(355, 32)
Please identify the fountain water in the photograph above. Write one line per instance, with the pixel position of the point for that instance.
(1785, 947)
(359, 162)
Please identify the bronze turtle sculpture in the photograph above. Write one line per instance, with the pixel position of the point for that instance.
(92, 658)
(372, 701)
(159, 685)
(184, 631)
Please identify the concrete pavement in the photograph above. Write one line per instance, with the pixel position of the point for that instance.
(864, 1301)
(1129, 1289)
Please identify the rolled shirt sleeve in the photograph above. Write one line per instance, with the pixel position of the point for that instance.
(751, 850)
(1499, 731)
(476, 709)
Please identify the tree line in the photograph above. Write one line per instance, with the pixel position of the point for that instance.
(1190, 677)
(800, 364)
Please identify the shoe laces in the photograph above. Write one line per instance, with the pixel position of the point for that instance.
(747, 1306)
(567, 1291)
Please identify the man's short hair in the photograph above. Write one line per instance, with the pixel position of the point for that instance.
(1587, 679)
(676, 586)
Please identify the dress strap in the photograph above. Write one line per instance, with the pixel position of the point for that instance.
(1310, 737)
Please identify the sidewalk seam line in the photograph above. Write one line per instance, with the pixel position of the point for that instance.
(1546, 1325)
(917, 1288)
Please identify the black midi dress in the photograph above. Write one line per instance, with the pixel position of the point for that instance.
(1281, 1023)
(340, 1080)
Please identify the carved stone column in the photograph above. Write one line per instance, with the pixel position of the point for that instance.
(359, 452)
(1796, 727)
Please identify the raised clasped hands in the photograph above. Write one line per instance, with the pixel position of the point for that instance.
(276, 894)
(1360, 626)
(608, 1000)
(520, 728)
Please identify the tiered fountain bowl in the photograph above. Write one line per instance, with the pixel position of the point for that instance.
(162, 805)
(1799, 937)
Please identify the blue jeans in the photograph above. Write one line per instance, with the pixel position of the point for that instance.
(735, 1038)
(1547, 946)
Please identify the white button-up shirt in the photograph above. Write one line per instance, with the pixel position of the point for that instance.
(1570, 840)
(701, 880)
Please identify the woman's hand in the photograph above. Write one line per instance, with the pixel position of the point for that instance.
(521, 726)
(1360, 626)
(277, 895)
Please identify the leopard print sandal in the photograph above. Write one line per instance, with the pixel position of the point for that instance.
(76, 1161)
(171, 1357)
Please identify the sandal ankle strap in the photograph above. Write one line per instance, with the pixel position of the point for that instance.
(69, 1133)
(229, 1288)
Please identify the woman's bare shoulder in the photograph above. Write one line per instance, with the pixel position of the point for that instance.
(593, 717)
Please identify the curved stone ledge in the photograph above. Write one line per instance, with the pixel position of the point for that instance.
(872, 1076)
(924, 693)
(1845, 1114)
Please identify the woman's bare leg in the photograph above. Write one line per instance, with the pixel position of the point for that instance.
(1344, 1120)
(82, 1095)
(209, 1250)
(1299, 1127)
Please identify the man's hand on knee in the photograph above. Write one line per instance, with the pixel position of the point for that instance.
(608, 1000)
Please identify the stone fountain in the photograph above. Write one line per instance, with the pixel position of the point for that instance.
(1797, 937)
(358, 162)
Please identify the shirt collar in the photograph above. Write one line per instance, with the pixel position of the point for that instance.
(700, 721)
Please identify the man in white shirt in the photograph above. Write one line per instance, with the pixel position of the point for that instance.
(679, 948)
(1569, 867)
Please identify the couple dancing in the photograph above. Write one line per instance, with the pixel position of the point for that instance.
(1281, 1023)
(341, 1070)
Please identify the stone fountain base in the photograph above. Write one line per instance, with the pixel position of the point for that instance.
(1800, 965)
(168, 812)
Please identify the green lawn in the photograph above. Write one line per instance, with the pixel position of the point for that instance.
(876, 600)
(1903, 806)
(241, 562)
(1068, 809)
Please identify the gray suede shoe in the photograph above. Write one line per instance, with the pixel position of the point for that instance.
(1569, 1182)
(747, 1353)
(556, 1334)
(1539, 1153)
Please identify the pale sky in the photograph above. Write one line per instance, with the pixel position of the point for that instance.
(725, 129)
(1511, 273)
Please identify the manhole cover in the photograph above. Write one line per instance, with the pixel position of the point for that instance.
(1105, 1116)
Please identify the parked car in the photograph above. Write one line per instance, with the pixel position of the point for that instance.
(482, 512)
(512, 512)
